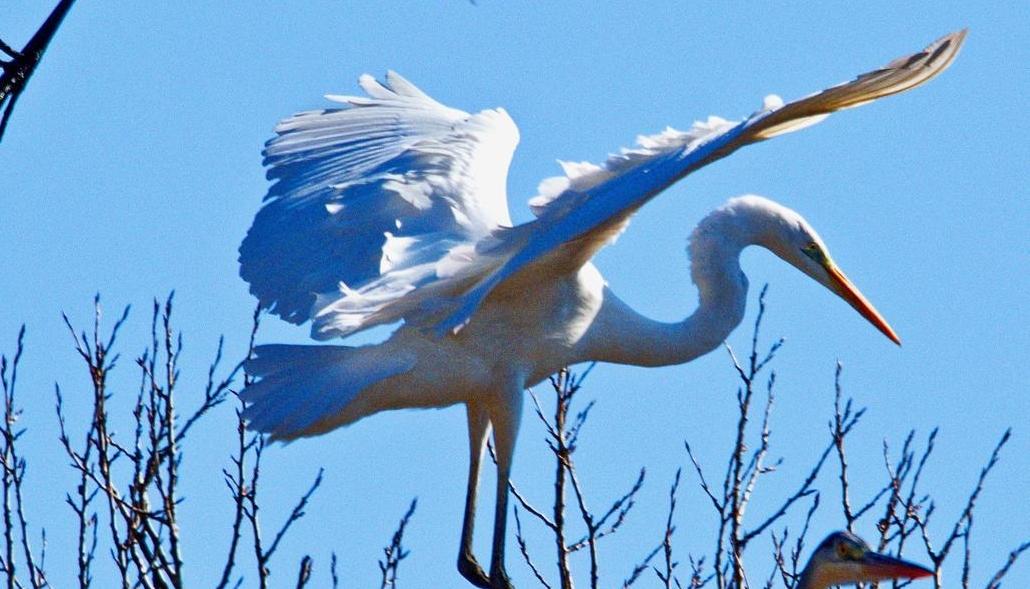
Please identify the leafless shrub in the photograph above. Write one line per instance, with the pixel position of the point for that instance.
(908, 514)
(126, 498)
(906, 510)
(13, 478)
(746, 467)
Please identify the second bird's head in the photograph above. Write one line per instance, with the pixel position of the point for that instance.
(844, 558)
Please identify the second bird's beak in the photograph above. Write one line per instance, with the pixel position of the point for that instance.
(847, 291)
(880, 566)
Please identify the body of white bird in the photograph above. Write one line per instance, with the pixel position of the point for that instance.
(527, 329)
(394, 208)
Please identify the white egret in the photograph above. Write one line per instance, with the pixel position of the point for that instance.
(393, 208)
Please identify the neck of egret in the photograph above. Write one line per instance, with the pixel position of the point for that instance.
(622, 335)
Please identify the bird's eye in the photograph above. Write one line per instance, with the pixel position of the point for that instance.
(848, 552)
(812, 250)
(842, 550)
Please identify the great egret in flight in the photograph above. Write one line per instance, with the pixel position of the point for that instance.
(392, 207)
(843, 558)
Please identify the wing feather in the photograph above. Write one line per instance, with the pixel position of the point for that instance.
(394, 206)
(367, 198)
(583, 209)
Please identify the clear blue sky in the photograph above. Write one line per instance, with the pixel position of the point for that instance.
(132, 167)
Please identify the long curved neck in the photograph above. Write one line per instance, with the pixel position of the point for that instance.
(626, 337)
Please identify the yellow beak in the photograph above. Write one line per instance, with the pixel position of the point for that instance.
(855, 298)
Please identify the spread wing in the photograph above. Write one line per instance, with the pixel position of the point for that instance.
(386, 195)
(583, 209)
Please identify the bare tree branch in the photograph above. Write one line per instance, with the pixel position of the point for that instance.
(332, 571)
(14, 467)
(16, 73)
(304, 574)
(995, 582)
(667, 576)
(298, 512)
(524, 549)
(394, 553)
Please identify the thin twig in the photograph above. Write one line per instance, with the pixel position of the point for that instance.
(524, 549)
(332, 571)
(995, 582)
(14, 468)
(296, 514)
(840, 416)
(394, 553)
(236, 481)
(667, 576)
(642, 565)
(304, 574)
(971, 502)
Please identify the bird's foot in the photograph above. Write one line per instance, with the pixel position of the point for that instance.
(470, 569)
(499, 580)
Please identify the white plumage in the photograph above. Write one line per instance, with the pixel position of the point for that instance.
(385, 190)
(393, 208)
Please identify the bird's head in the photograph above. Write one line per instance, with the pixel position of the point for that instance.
(788, 235)
(844, 558)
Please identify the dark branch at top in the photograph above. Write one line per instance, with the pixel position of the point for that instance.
(19, 69)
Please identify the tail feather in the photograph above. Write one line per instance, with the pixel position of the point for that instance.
(299, 387)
